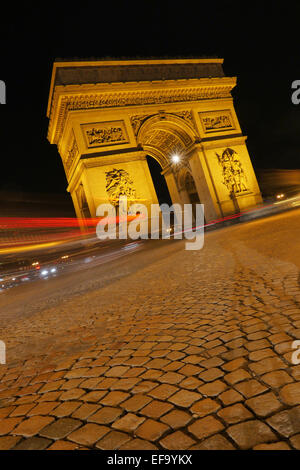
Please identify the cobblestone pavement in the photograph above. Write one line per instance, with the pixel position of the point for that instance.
(192, 351)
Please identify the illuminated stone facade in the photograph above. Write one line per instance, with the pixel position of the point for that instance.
(106, 116)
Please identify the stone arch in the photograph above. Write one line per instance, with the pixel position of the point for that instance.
(163, 135)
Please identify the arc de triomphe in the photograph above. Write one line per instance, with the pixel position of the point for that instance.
(106, 116)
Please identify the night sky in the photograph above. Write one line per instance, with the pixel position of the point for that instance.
(259, 42)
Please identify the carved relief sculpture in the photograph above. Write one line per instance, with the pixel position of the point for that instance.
(233, 173)
(105, 133)
(119, 183)
(216, 121)
(72, 153)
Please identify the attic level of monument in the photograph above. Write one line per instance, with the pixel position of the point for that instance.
(77, 73)
(106, 117)
(96, 72)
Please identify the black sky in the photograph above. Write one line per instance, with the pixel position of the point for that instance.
(259, 42)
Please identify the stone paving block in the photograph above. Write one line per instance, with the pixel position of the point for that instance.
(151, 430)
(177, 441)
(277, 378)
(212, 389)
(205, 427)
(134, 372)
(162, 392)
(257, 345)
(282, 348)
(234, 364)
(176, 419)
(106, 383)
(76, 373)
(43, 408)
(261, 354)
(230, 396)
(213, 362)
(175, 355)
(113, 440)
(151, 374)
(63, 445)
(294, 440)
(125, 384)
(279, 338)
(234, 354)
(8, 442)
(33, 443)
(205, 407)
(171, 378)
(49, 396)
(250, 388)
(114, 398)
(173, 366)
(90, 384)
(290, 394)
(105, 415)
(235, 413)
(211, 374)
(156, 409)
(85, 410)
(51, 386)
(60, 428)
(250, 433)
(94, 397)
(268, 364)
(257, 335)
(184, 398)
(8, 424)
(191, 383)
(72, 383)
(138, 444)
(217, 442)
(128, 423)
(236, 376)
(135, 403)
(286, 422)
(273, 446)
(144, 386)
(65, 409)
(116, 371)
(88, 434)
(21, 410)
(6, 411)
(31, 426)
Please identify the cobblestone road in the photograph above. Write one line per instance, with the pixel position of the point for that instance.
(192, 351)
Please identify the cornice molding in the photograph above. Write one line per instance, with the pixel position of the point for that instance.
(82, 97)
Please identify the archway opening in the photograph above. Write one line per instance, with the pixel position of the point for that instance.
(159, 182)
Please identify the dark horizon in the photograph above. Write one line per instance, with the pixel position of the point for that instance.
(257, 41)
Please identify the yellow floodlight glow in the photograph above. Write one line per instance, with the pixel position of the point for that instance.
(175, 158)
